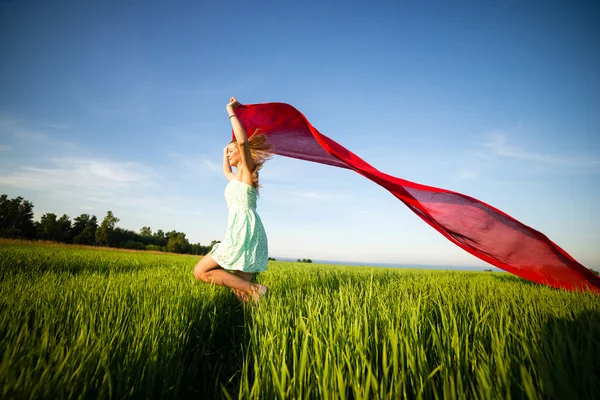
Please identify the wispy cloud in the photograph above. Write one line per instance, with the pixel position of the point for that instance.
(43, 132)
(96, 184)
(197, 165)
(57, 125)
(82, 177)
(12, 127)
(211, 165)
(465, 174)
(4, 147)
(289, 196)
(499, 145)
(313, 196)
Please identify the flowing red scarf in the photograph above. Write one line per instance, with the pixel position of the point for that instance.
(474, 226)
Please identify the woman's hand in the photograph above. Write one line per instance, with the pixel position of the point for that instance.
(233, 103)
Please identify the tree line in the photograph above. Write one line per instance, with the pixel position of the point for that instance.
(16, 222)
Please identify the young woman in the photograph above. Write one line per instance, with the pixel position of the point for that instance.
(244, 250)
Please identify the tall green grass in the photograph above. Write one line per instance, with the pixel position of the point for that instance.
(78, 322)
(96, 323)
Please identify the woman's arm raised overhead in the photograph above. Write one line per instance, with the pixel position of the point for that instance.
(240, 137)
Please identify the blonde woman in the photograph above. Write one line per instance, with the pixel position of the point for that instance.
(244, 251)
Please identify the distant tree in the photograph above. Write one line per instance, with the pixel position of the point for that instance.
(84, 229)
(124, 238)
(56, 230)
(87, 236)
(64, 229)
(594, 271)
(298, 260)
(106, 229)
(46, 226)
(158, 239)
(177, 243)
(133, 245)
(16, 218)
(198, 249)
(80, 223)
(272, 259)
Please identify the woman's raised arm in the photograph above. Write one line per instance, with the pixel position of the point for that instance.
(240, 136)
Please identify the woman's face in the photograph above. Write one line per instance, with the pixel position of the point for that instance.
(233, 154)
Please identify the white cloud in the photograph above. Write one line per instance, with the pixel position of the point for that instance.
(313, 196)
(467, 174)
(318, 196)
(27, 132)
(98, 179)
(211, 165)
(137, 191)
(197, 165)
(58, 125)
(500, 146)
(132, 190)
(21, 132)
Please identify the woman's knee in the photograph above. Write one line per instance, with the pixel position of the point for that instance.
(202, 269)
(199, 273)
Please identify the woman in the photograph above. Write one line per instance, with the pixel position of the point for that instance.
(244, 250)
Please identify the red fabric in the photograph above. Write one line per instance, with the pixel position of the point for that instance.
(473, 225)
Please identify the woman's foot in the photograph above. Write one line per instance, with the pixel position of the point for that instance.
(260, 292)
(241, 296)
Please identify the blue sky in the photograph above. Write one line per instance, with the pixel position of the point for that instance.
(120, 105)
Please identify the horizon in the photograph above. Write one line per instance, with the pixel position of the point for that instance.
(121, 106)
(396, 265)
(342, 263)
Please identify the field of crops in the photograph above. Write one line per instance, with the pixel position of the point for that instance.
(96, 323)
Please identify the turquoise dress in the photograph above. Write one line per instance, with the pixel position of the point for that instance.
(245, 245)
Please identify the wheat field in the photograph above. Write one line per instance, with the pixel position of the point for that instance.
(79, 322)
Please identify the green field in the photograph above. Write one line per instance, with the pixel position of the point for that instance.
(97, 323)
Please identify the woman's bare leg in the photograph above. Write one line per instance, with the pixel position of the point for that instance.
(207, 270)
(247, 276)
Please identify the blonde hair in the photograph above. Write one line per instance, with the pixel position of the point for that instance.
(260, 152)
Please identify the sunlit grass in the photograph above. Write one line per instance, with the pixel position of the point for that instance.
(84, 322)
